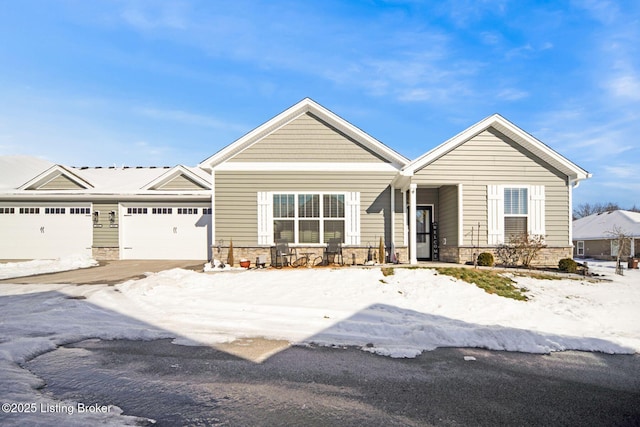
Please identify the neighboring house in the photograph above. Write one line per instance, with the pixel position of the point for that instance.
(592, 235)
(49, 211)
(308, 176)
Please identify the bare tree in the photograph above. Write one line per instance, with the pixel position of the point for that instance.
(586, 209)
(623, 242)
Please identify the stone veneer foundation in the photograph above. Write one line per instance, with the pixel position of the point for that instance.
(351, 254)
(105, 254)
(547, 257)
(358, 255)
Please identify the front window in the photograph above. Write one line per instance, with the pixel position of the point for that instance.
(308, 217)
(615, 248)
(516, 212)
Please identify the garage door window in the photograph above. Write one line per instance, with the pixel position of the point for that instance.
(187, 211)
(54, 211)
(137, 211)
(29, 211)
(162, 211)
(7, 210)
(80, 211)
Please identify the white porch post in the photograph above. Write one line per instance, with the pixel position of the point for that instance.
(413, 243)
(212, 231)
(393, 219)
(405, 222)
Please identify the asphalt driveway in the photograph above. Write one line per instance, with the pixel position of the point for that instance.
(109, 272)
(181, 385)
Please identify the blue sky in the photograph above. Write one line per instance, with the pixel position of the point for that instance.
(168, 82)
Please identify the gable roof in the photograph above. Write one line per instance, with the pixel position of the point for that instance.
(305, 106)
(175, 173)
(519, 136)
(599, 226)
(52, 173)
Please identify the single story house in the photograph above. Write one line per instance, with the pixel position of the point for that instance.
(307, 176)
(593, 235)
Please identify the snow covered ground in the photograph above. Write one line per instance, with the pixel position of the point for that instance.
(399, 315)
(40, 266)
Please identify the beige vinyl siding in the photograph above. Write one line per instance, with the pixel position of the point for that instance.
(427, 197)
(181, 182)
(105, 236)
(307, 139)
(60, 182)
(447, 209)
(236, 199)
(491, 158)
(401, 220)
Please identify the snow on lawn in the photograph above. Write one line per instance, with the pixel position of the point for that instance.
(11, 270)
(399, 315)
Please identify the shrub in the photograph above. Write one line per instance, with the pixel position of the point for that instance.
(485, 259)
(523, 249)
(568, 265)
(508, 255)
(528, 246)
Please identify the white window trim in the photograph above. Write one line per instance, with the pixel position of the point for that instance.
(580, 248)
(536, 211)
(351, 217)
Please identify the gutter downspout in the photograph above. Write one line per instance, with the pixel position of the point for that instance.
(572, 184)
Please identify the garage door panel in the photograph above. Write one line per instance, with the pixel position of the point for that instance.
(44, 236)
(165, 236)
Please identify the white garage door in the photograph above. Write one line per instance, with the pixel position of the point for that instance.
(165, 232)
(45, 231)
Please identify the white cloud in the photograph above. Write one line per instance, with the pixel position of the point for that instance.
(623, 171)
(512, 94)
(491, 37)
(605, 11)
(188, 118)
(625, 86)
(415, 95)
(156, 15)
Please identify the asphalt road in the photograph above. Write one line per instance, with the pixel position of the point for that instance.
(300, 386)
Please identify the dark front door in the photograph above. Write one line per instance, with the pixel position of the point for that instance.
(424, 228)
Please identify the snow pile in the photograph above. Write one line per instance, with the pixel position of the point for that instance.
(399, 315)
(41, 266)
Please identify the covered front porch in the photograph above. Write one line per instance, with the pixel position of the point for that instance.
(433, 230)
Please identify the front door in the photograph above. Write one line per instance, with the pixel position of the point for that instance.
(424, 226)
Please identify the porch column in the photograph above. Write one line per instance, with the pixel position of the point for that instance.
(413, 243)
(212, 225)
(392, 217)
